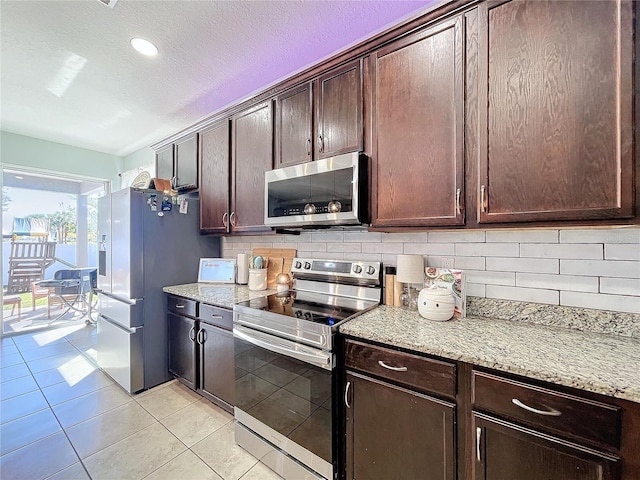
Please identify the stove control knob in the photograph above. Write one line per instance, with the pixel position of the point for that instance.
(298, 313)
(307, 316)
(297, 265)
(357, 269)
(307, 265)
(371, 270)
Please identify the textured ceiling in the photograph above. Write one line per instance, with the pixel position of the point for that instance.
(69, 75)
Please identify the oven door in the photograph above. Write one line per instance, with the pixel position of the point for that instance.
(283, 394)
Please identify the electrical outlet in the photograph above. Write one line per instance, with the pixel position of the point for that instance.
(447, 262)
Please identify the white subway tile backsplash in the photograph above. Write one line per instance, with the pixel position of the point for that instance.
(532, 265)
(420, 237)
(457, 236)
(471, 263)
(312, 247)
(535, 295)
(591, 268)
(523, 236)
(620, 286)
(490, 278)
(363, 237)
(618, 303)
(603, 268)
(487, 249)
(396, 248)
(606, 235)
(622, 251)
(441, 249)
(547, 250)
(344, 247)
(475, 289)
(557, 282)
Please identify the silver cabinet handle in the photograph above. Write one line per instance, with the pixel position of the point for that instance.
(308, 146)
(549, 413)
(458, 201)
(483, 206)
(180, 306)
(225, 223)
(201, 337)
(389, 367)
(217, 317)
(232, 219)
(192, 334)
(320, 143)
(346, 395)
(478, 438)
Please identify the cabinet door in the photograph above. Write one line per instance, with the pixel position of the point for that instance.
(339, 111)
(182, 351)
(214, 178)
(217, 369)
(186, 164)
(555, 110)
(164, 163)
(504, 451)
(418, 165)
(293, 126)
(252, 148)
(394, 433)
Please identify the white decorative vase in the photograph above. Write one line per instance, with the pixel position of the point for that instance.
(436, 303)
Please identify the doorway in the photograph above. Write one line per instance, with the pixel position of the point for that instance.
(49, 229)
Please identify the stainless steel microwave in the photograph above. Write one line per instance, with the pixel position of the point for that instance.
(331, 191)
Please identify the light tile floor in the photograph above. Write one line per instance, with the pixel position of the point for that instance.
(62, 418)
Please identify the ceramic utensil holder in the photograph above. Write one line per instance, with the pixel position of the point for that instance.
(257, 279)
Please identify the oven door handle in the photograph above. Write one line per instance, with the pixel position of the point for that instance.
(319, 358)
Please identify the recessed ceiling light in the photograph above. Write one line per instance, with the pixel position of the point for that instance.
(145, 47)
(18, 177)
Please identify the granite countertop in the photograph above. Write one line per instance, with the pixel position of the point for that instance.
(219, 295)
(596, 362)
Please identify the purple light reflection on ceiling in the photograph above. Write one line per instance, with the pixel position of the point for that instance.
(328, 35)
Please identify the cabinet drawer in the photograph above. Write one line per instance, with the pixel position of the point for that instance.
(547, 410)
(220, 317)
(181, 306)
(415, 371)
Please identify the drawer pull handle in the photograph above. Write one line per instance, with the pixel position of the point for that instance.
(549, 413)
(389, 367)
(180, 306)
(346, 395)
(478, 439)
(218, 317)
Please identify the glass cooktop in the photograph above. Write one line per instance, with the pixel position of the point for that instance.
(317, 308)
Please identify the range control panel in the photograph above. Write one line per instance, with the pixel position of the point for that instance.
(336, 268)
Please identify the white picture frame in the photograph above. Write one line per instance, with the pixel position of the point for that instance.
(217, 270)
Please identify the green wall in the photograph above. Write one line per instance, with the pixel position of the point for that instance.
(35, 153)
(141, 157)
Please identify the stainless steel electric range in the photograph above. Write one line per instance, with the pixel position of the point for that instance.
(286, 380)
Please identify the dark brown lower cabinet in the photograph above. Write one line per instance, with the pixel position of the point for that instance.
(396, 433)
(505, 451)
(182, 353)
(217, 371)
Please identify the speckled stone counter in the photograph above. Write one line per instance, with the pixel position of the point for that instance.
(220, 295)
(606, 364)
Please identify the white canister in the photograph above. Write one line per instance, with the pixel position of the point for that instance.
(436, 303)
(257, 279)
(243, 269)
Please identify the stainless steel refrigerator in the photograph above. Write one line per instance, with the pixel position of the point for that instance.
(141, 249)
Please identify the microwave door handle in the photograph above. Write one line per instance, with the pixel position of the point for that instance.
(322, 361)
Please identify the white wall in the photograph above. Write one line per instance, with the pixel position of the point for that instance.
(590, 268)
(41, 154)
(139, 158)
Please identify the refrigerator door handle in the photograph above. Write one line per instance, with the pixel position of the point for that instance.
(130, 301)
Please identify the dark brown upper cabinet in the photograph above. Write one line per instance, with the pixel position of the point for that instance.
(339, 111)
(305, 133)
(251, 157)
(178, 162)
(294, 126)
(418, 129)
(214, 178)
(555, 99)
